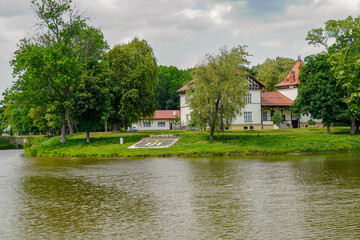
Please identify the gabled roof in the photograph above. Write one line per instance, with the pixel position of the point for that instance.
(274, 99)
(252, 81)
(293, 76)
(185, 87)
(165, 114)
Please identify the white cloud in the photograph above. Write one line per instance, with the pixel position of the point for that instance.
(274, 43)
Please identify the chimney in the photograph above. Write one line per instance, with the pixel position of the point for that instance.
(174, 112)
(299, 58)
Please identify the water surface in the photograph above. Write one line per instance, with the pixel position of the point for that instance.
(273, 197)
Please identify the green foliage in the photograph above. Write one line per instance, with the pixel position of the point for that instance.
(133, 78)
(170, 80)
(319, 94)
(49, 66)
(277, 117)
(311, 122)
(271, 72)
(219, 89)
(344, 58)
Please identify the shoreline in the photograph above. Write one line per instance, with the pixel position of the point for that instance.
(197, 144)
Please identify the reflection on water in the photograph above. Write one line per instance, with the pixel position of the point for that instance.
(273, 197)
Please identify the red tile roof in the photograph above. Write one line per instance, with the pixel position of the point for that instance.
(293, 76)
(274, 99)
(166, 114)
(185, 87)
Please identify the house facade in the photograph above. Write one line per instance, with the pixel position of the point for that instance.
(260, 105)
(162, 120)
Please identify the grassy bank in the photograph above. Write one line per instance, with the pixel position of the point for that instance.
(197, 143)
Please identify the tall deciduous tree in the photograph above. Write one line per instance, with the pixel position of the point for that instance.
(218, 92)
(170, 80)
(49, 65)
(133, 76)
(319, 94)
(344, 58)
(271, 72)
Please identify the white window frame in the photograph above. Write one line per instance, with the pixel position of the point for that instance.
(247, 116)
(187, 117)
(147, 124)
(248, 98)
(161, 124)
(265, 116)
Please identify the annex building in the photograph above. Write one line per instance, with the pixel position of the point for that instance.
(260, 105)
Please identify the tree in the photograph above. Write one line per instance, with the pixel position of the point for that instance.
(277, 117)
(49, 65)
(92, 97)
(271, 72)
(170, 80)
(344, 58)
(319, 94)
(133, 76)
(219, 88)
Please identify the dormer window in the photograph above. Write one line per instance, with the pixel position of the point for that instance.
(292, 73)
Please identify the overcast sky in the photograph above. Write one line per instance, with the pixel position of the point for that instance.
(182, 31)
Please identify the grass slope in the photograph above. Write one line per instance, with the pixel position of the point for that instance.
(197, 143)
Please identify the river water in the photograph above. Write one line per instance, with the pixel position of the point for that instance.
(274, 197)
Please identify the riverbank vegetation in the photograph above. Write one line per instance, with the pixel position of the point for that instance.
(197, 143)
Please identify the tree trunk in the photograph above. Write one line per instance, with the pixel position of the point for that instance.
(357, 127)
(212, 130)
(116, 126)
(76, 128)
(70, 125)
(63, 129)
(88, 137)
(106, 126)
(352, 128)
(328, 128)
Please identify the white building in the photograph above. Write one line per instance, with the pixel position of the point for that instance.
(260, 105)
(162, 120)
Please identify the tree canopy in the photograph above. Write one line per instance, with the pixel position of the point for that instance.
(319, 94)
(273, 71)
(344, 58)
(133, 74)
(218, 92)
(170, 80)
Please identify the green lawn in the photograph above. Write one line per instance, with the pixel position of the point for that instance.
(197, 143)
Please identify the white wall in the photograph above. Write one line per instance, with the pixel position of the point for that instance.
(254, 107)
(184, 110)
(153, 125)
(289, 92)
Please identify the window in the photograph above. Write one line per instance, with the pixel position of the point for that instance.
(147, 124)
(187, 117)
(161, 124)
(245, 127)
(265, 116)
(248, 116)
(186, 99)
(251, 127)
(248, 98)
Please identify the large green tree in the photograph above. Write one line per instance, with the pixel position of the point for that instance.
(133, 76)
(92, 97)
(273, 71)
(49, 65)
(319, 94)
(218, 92)
(341, 38)
(170, 80)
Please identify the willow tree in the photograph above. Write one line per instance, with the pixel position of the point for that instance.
(133, 74)
(219, 88)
